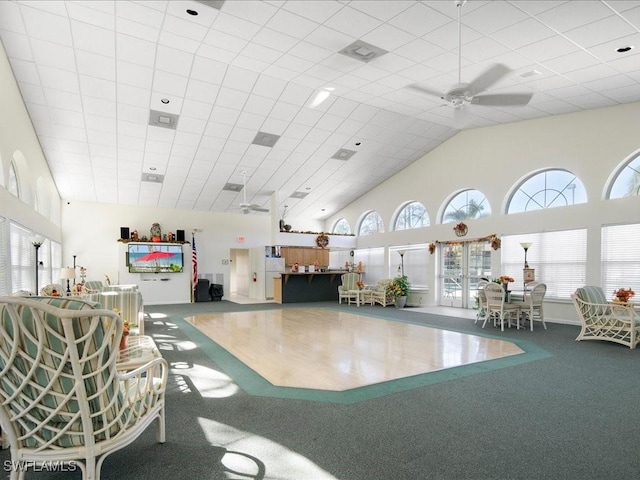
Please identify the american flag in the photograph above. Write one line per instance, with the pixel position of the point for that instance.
(194, 262)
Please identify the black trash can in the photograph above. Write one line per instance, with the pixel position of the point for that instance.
(202, 290)
(216, 292)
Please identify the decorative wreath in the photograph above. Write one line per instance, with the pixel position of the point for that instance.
(322, 240)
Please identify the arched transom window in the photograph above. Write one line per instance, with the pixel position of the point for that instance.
(412, 215)
(342, 227)
(466, 205)
(371, 223)
(547, 189)
(12, 186)
(627, 182)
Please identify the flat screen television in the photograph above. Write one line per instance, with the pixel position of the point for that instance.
(154, 258)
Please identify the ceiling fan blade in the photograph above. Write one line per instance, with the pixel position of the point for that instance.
(488, 78)
(428, 91)
(257, 208)
(502, 100)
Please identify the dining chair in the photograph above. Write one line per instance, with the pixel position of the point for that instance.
(482, 301)
(534, 299)
(498, 309)
(348, 289)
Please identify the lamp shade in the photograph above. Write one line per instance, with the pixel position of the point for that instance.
(67, 273)
(525, 245)
(36, 240)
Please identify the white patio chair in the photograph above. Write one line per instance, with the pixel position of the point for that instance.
(348, 290)
(61, 397)
(534, 300)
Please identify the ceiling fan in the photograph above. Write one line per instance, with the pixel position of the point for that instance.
(461, 94)
(246, 207)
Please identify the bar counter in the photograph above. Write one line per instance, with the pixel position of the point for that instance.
(307, 287)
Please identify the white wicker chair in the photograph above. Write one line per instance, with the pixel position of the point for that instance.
(497, 309)
(348, 289)
(382, 293)
(602, 320)
(61, 397)
(534, 299)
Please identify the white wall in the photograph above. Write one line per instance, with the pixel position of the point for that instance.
(494, 160)
(91, 231)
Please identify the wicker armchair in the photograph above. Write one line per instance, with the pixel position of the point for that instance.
(382, 293)
(602, 320)
(348, 290)
(62, 398)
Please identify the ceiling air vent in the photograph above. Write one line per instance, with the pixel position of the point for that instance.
(362, 51)
(232, 187)
(265, 139)
(344, 154)
(163, 119)
(299, 194)
(152, 177)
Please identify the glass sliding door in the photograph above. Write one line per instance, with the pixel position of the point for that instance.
(461, 267)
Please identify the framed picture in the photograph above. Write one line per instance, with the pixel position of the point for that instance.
(529, 275)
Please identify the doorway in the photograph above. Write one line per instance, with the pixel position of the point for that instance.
(462, 265)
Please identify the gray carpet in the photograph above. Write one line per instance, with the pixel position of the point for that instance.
(570, 415)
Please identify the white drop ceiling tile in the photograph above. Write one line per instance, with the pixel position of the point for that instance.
(195, 109)
(210, 144)
(133, 95)
(130, 113)
(291, 63)
(10, 18)
(311, 52)
(198, 90)
(492, 16)
(131, 74)
(446, 36)
(387, 37)
(419, 19)
(616, 81)
(95, 137)
(275, 126)
(54, 55)
(318, 136)
(249, 64)
(484, 48)
(606, 51)
(47, 26)
(329, 122)
(97, 87)
(135, 30)
(129, 161)
(32, 93)
(275, 40)
(208, 70)
(78, 149)
(393, 63)
(576, 13)
(252, 122)
(308, 117)
(329, 38)
(101, 13)
(377, 90)
(96, 65)
(624, 94)
(192, 125)
(569, 63)
(93, 39)
(185, 28)
(628, 64)
(324, 74)
(139, 13)
(65, 132)
(135, 50)
(17, 46)
(601, 31)
(173, 60)
(170, 83)
(351, 20)
(593, 100)
(235, 26)
(522, 33)
(260, 52)
(595, 72)
(231, 98)
(49, 144)
(99, 107)
(63, 100)
(104, 152)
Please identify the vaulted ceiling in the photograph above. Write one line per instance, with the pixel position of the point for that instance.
(174, 103)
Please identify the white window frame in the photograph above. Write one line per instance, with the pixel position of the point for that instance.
(620, 258)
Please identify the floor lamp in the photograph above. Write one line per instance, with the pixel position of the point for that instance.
(37, 242)
(528, 274)
(401, 252)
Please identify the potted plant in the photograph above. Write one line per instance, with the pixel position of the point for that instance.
(400, 288)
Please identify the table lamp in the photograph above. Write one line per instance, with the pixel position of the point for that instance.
(68, 274)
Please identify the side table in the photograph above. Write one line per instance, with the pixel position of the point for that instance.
(141, 349)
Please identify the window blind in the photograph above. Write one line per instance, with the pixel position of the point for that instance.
(416, 263)
(22, 258)
(5, 285)
(559, 259)
(621, 258)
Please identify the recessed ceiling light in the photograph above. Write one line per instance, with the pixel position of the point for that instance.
(165, 100)
(192, 12)
(624, 49)
(153, 169)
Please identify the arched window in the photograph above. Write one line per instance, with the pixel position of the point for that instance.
(371, 223)
(412, 215)
(466, 205)
(627, 181)
(12, 186)
(342, 227)
(547, 189)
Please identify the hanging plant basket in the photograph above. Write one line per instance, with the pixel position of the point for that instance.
(460, 229)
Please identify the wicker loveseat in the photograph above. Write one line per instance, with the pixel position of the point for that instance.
(603, 320)
(62, 398)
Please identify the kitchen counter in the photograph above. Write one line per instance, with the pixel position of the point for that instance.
(301, 287)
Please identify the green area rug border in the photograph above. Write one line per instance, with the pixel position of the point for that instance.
(254, 384)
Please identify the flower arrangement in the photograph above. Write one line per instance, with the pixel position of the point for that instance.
(505, 279)
(432, 248)
(83, 274)
(360, 284)
(623, 295)
(400, 286)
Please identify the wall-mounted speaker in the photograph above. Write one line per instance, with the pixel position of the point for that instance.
(180, 235)
(124, 232)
